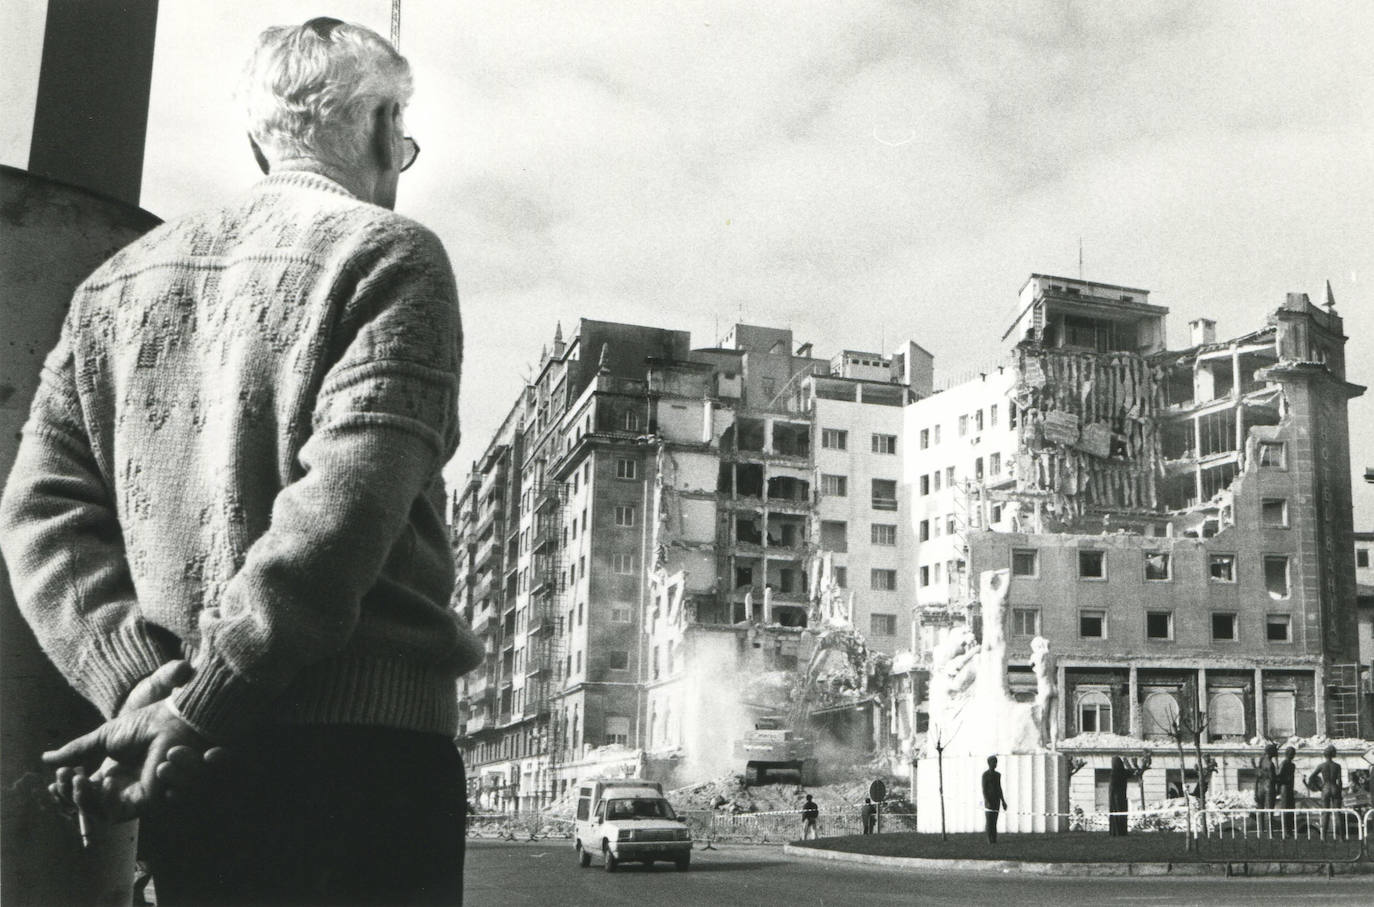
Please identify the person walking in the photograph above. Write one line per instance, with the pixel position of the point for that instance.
(234, 460)
(811, 814)
(1117, 805)
(993, 800)
(869, 815)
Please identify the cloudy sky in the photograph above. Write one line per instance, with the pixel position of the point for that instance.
(862, 172)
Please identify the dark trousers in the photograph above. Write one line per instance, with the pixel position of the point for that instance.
(316, 816)
(991, 815)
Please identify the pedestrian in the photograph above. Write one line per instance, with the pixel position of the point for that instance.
(234, 458)
(993, 800)
(869, 815)
(811, 814)
(1326, 779)
(1284, 790)
(1116, 798)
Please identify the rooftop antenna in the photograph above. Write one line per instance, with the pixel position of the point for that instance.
(1080, 250)
(396, 24)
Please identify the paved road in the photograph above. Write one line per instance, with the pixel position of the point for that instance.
(500, 874)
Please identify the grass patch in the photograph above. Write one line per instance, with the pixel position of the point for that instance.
(1089, 847)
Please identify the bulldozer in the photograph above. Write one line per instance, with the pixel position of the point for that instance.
(772, 750)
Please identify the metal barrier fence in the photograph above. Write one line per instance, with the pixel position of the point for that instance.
(1313, 835)
(1331, 835)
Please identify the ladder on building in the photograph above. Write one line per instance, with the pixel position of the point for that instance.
(1343, 694)
(552, 634)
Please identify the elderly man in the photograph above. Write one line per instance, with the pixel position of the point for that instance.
(225, 522)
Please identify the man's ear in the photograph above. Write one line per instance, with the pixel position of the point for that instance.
(385, 123)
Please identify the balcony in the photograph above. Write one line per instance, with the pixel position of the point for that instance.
(483, 621)
(549, 498)
(488, 550)
(541, 619)
(544, 535)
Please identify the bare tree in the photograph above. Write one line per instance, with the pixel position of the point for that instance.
(1180, 729)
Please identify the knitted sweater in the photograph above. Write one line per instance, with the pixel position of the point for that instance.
(234, 456)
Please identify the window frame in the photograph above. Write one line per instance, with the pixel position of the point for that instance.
(1235, 626)
(884, 534)
(1168, 576)
(880, 442)
(1283, 515)
(1100, 699)
(625, 516)
(887, 573)
(1168, 616)
(836, 434)
(1035, 562)
(890, 621)
(1212, 558)
(1101, 614)
(1280, 446)
(1271, 620)
(841, 482)
(1022, 611)
(1101, 553)
(626, 468)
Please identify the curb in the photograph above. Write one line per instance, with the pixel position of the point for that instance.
(1078, 869)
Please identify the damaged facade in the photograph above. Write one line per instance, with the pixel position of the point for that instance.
(1176, 523)
(663, 543)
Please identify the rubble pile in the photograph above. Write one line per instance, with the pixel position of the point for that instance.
(730, 794)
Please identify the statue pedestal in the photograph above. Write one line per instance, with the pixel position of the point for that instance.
(1036, 786)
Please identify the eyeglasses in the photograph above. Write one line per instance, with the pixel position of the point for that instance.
(411, 153)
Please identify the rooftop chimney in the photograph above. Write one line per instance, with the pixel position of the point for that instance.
(1204, 330)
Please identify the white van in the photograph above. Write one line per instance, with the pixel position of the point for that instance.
(629, 820)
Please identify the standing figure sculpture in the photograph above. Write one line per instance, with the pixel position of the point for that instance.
(1116, 798)
(1266, 778)
(1046, 691)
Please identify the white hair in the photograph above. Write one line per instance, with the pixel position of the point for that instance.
(313, 96)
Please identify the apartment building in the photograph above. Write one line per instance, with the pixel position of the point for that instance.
(642, 534)
(1176, 523)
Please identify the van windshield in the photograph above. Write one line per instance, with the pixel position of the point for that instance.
(639, 808)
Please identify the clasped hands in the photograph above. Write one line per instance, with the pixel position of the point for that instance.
(145, 752)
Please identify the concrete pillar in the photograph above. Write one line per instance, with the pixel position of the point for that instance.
(767, 437)
(1319, 695)
(1202, 694)
(1259, 702)
(1064, 705)
(1133, 691)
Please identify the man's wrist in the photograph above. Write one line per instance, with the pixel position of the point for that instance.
(171, 704)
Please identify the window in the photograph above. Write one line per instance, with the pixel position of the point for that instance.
(620, 615)
(949, 524)
(963, 426)
(1025, 562)
(625, 469)
(617, 730)
(623, 564)
(1224, 628)
(1222, 568)
(1274, 513)
(624, 514)
(992, 416)
(841, 575)
(617, 660)
(925, 576)
(837, 486)
(884, 534)
(978, 470)
(1159, 624)
(935, 572)
(1158, 713)
(1011, 415)
(1025, 621)
(631, 421)
(883, 580)
(884, 444)
(1271, 454)
(1092, 624)
(924, 529)
(1280, 712)
(1157, 565)
(1092, 565)
(834, 439)
(882, 624)
(925, 438)
(995, 464)
(949, 476)
(935, 438)
(884, 494)
(1094, 712)
(925, 484)
(769, 386)
(1226, 714)
(834, 535)
(935, 481)
(978, 421)
(1361, 557)
(1278, 628)
(579, 613)
(1276, 575)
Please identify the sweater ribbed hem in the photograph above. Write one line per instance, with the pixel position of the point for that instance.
(371, 691)
(114, 664)
(375, 691)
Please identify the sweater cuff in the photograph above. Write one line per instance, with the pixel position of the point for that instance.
(115, 664)
(220, 703)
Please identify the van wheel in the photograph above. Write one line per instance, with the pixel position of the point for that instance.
(584, 859)
(609, 861)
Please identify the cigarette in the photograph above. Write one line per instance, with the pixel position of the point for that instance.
(84, 825)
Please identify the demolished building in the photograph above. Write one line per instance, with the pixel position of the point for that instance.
(1176, 523)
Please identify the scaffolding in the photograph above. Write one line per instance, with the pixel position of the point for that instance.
(546, 645)
(1343, 694)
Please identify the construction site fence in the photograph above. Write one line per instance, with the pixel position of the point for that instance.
(1290, 835)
